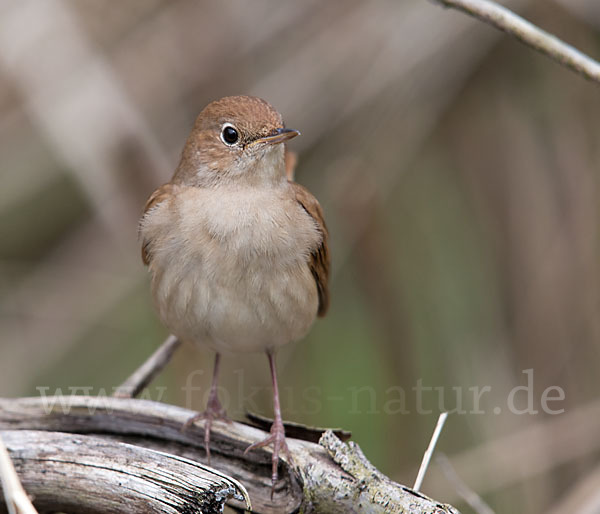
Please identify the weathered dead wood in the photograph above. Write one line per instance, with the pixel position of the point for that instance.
(328, 477)
(15, 497)
(82, 473)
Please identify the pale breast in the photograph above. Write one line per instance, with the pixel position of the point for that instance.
(230, 267)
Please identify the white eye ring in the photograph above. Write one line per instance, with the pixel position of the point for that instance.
(230, 135)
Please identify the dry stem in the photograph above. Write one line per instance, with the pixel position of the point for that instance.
(542, 41)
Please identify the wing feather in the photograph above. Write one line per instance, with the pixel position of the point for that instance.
(319, 261)
(162, 194)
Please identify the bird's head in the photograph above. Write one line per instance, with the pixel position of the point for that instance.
(236, 138)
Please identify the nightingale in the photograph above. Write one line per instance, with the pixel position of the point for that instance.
(237, 252)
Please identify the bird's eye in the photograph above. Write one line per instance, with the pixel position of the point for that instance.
(229, 134)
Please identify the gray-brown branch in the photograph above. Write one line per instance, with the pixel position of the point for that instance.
(328, 477)
(82, 473)
(15, 497)
(542, 41)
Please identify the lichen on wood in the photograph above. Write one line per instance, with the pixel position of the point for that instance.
(329, 477)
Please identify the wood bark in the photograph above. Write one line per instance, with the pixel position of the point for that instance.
(82, 473)
(329, 477)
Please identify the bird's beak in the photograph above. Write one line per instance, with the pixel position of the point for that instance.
(280, 135)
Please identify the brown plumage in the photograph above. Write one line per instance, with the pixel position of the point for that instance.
(319, 257)
(238, 253)
(162, 194)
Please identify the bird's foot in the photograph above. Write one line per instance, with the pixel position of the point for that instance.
(214, 412)
(277, 439)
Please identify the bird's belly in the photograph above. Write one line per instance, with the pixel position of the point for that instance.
(235, 306)
(230, 268)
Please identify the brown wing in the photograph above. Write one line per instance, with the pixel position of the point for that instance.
(319, 257)
(160, 195)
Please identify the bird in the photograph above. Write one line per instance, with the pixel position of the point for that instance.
(237, 251)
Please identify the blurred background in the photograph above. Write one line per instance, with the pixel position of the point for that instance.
(459, 175)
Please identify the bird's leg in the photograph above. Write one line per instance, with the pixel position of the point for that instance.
(277, 437)
(214, 409)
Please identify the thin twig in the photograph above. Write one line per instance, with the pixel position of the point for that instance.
(16, 498)
(142, 376)
(429, 451)
(463, 490)
(536, 449)
(542, 41)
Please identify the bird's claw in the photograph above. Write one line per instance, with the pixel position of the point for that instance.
(277, 440)
(214, 412)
